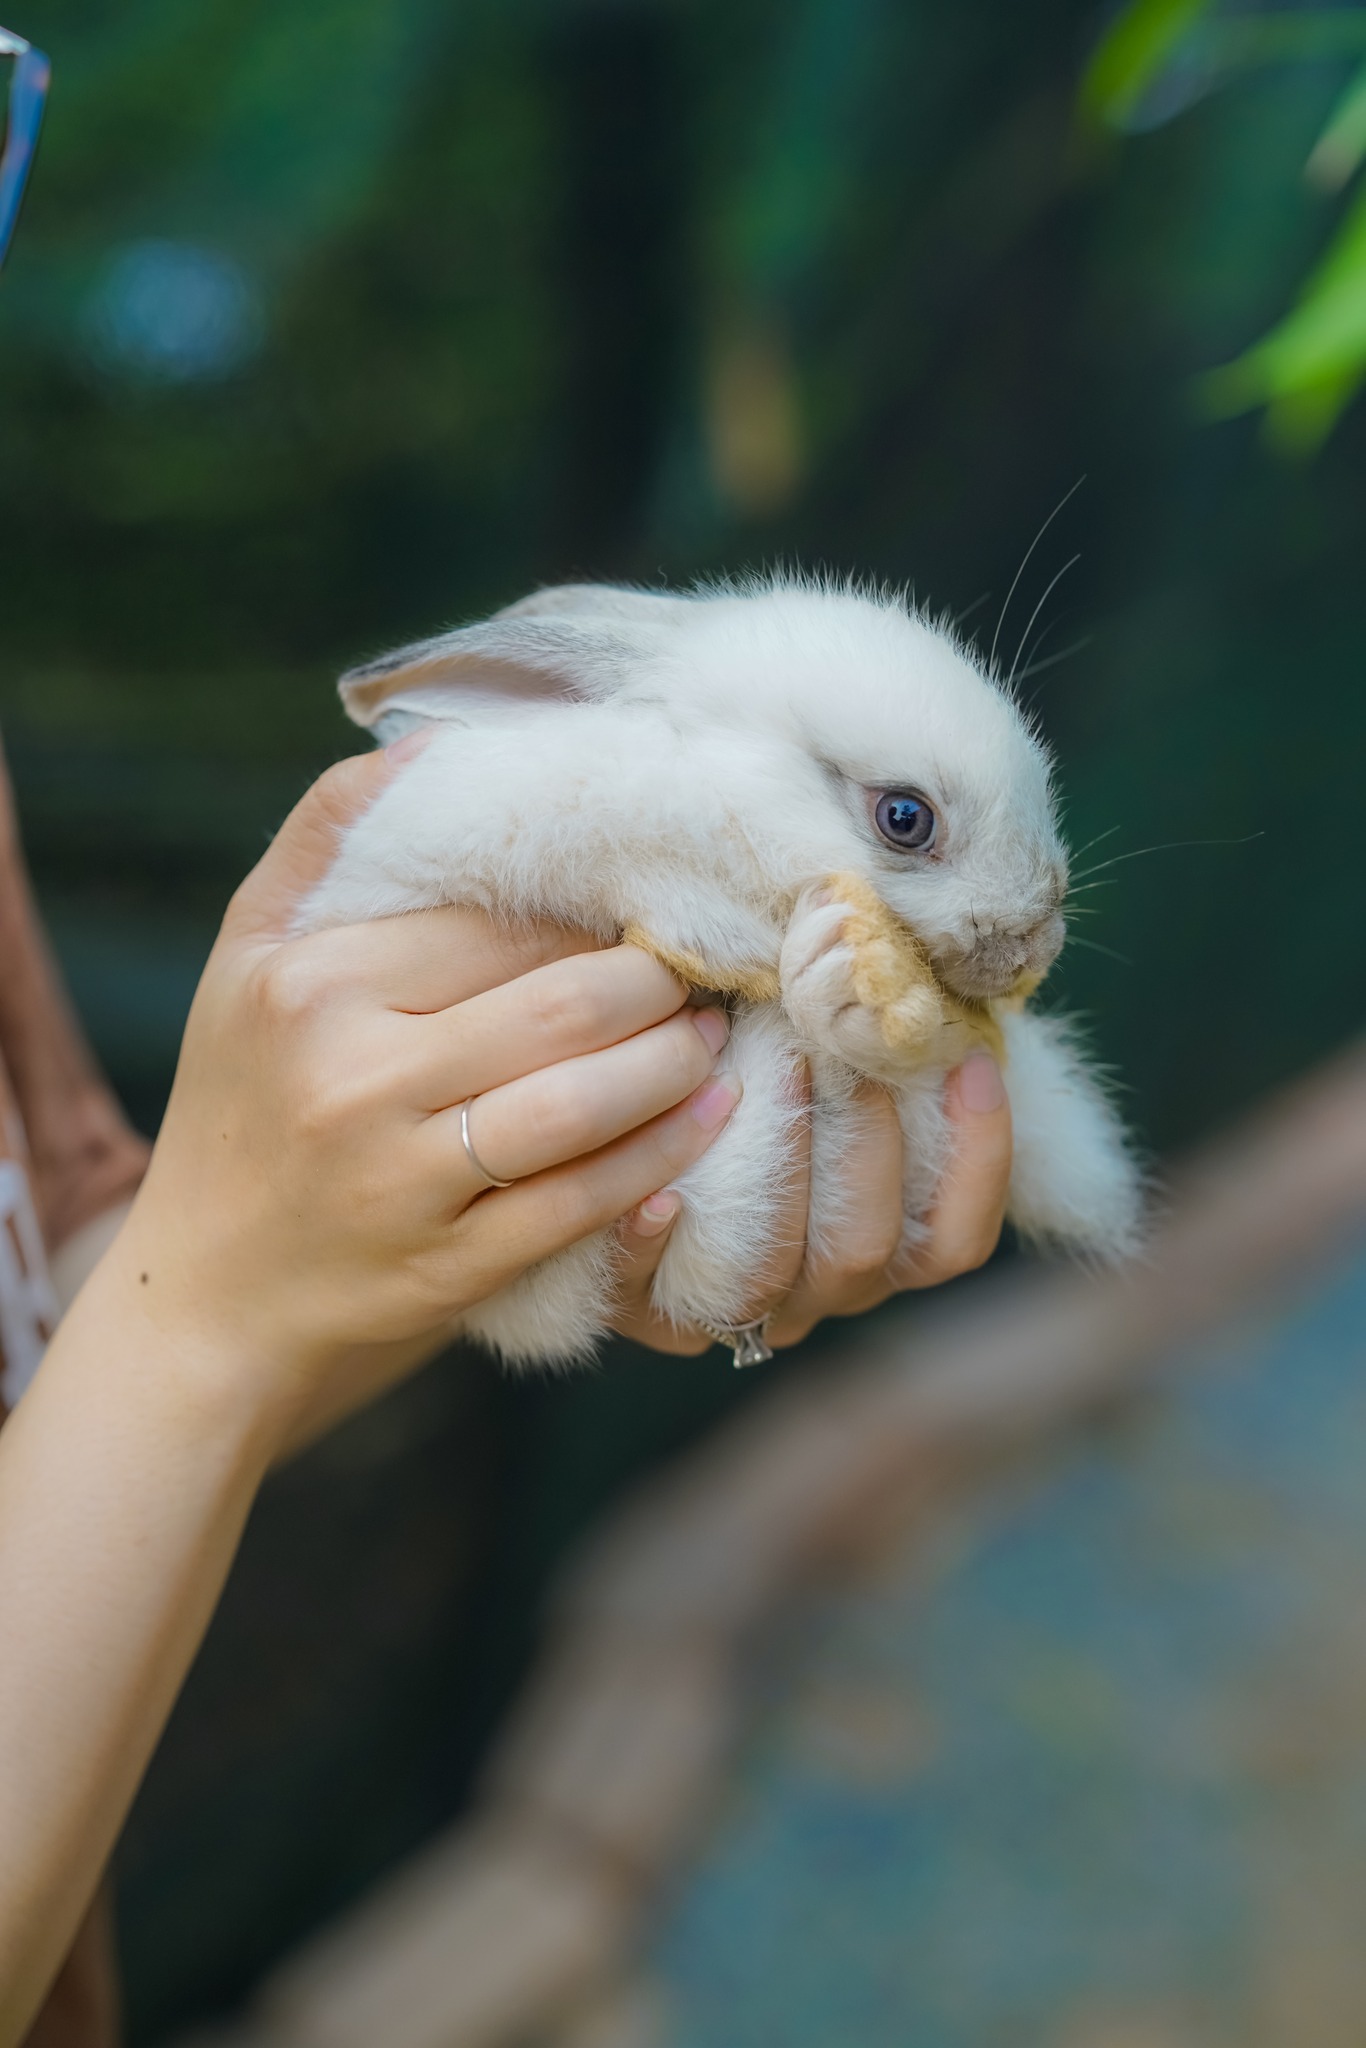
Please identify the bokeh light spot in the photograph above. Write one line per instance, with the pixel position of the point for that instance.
(175, 312)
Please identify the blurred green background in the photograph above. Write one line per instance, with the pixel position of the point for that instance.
(330, 326)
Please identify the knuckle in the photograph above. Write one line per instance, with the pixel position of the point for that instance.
(863, 1255)
(972, 1252)
(291, 985)
(425, 1284)
(561, 1118)
(874, 1253)
(571, 1211)
(686, 1058)
(568, 1007)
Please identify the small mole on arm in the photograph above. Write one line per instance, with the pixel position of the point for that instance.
(143, 1278)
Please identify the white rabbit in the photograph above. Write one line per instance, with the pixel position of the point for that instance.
(806, 798)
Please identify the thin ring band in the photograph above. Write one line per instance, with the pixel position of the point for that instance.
(490, 1180)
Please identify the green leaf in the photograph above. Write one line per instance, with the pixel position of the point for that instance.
(1318, 348)
(1299, 423)
(1132, 53)
(1342, 144)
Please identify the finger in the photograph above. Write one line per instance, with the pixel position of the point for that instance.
(846, 1269)
(305, 846)
(424, 962)
(570, 1006)
(643, 1236)
(965, 1222)
(577, 1107)
(498, 1237)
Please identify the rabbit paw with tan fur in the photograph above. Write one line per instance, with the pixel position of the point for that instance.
(855, 983)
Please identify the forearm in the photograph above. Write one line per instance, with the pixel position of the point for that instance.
(125, 1479)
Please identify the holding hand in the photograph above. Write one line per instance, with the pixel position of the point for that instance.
(865, 1265)
(315, 1214)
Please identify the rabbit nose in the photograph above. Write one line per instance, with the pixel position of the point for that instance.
(999, 961)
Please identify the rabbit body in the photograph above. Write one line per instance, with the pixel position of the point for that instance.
(702, 773)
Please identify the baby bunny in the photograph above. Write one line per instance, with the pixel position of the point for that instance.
(806, 799)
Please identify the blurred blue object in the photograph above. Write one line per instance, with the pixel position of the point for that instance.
(175, 311)
(27, 98)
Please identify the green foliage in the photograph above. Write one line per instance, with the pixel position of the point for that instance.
(1313, 361)
(1307, 368)
(1134, 51)
(1338, 152)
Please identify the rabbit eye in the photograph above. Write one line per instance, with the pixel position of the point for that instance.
(905, 821)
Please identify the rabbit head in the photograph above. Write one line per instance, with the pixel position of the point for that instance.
(887, 750)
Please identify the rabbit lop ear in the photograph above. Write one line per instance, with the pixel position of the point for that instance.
(581, 640)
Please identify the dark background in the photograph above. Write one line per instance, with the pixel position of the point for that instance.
(328, 326)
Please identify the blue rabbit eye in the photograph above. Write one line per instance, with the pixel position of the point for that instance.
(905, 821)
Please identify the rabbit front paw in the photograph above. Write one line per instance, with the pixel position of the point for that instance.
(854, 981)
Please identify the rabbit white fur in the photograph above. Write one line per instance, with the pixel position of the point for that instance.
(701, 772)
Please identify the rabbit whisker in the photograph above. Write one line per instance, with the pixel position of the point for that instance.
(1168, 846)
(1036, 668)
(1094, 946)
(956, 618)
(991, 658)
(1010, 680)
(1108, 833)
(1041, 640)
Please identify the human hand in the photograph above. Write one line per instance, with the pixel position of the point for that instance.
(311, 1220)
(864, 1265)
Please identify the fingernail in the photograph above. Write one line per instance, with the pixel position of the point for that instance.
(656, 1213)
(712, 1029)
(411, 743)
(980, 1087)
(715, 1100)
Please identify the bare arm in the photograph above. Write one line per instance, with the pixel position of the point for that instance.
(309, 1224)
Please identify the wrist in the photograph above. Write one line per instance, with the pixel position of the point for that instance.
(200, 1374)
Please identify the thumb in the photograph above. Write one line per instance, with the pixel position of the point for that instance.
(306, 844)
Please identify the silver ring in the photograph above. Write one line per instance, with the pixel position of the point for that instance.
(748, 1341)
(490, 1180)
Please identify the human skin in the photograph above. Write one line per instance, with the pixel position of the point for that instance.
(864, 1265)
(309, 1226)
